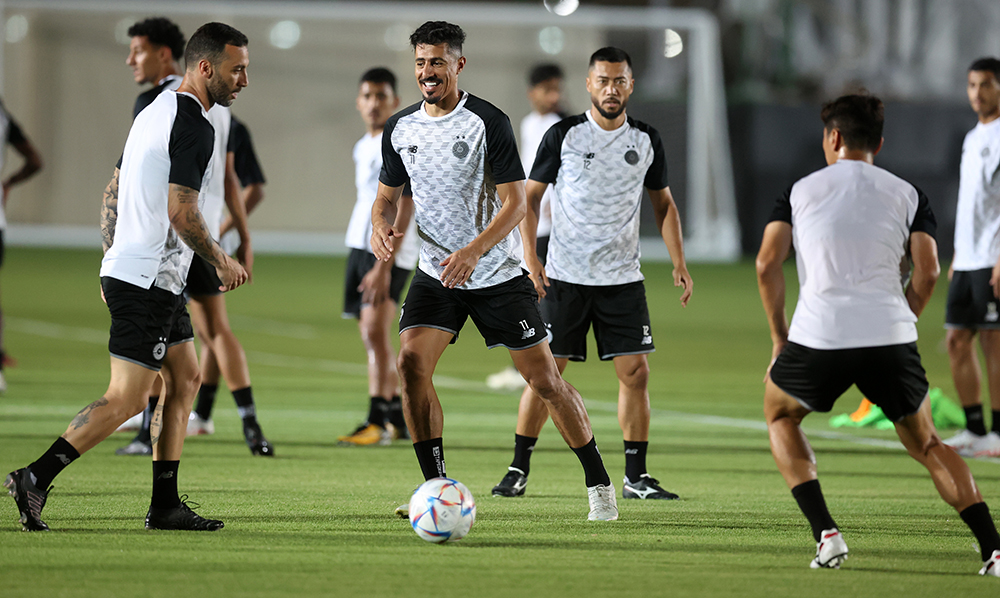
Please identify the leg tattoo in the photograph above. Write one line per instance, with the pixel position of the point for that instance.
(83, 418)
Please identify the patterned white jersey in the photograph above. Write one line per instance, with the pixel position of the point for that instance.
(170, 142)
(454, 163)
(367, 165)
(977, 217)
(851, 226)
(598, 177)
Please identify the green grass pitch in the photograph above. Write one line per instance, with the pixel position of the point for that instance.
(317, 519)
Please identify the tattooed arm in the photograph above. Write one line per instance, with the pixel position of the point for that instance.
(187, 220)
(109, 213)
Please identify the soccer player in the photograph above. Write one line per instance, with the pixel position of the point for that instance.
(372, 287)
(151, 223)
(852, 225)
(459, 154)
(156, 47)
(10, 132)
(597, 164)
(975, 267)
(545, 96)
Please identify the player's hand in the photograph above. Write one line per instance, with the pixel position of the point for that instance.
(381, 242)
(103, 298)
(458, 267)
(683, 279)
(775, 351)
(374, 287)
(244, 254)
(536, 272)
(231, 274)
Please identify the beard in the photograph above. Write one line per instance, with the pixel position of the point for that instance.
(432, 99)
(606, 114)
(218, 92)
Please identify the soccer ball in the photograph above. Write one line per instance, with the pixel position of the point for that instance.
(442, 510)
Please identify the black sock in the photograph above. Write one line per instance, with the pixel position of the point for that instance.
(974, 420)
(147, 418)
(978, 518)
(813, 506)
(165, 485)
(378, 411)
(206, 400)
(635, 459)
(52, 462)
(593, 465)
(396, 417)
(523, 447)
(996, 421)
(245, 406)
(430, 455)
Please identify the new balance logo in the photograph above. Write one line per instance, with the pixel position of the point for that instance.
(631, 451)
(528, 332)
(64, 459)
(166, 475)
(647, 338)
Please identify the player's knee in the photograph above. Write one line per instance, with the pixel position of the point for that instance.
(411, 365)
(637, 376)
(959, 342)
(546, 385)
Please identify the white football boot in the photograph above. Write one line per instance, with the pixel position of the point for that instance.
(831, 550)
(992, 566)
(132, 424)
(963, 442)
(198, 427)
(603, 504)
(987, 446)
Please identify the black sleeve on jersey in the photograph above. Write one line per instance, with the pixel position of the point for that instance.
(548, 158)
(924, 220)
(15, 136)
(656, 175)
(145, 99)
(192, 141)
(783, 208)
(406, 189)
(501, 147)
(393, 173)
(247, 167)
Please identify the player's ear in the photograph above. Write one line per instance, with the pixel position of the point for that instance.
(881, 142)
(205, 68)
(461, 64)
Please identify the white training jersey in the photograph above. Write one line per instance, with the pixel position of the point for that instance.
(10, 133)
(170, 142)
(598, 177)
(533, 128)
(851, 225)
(367, 166)
(221, 118)
(977, 218)
(454, 164)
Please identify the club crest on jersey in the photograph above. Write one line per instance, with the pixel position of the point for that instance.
(159, 350)
(587, 158)
(985, 152)
(632, 157)
(461, 148)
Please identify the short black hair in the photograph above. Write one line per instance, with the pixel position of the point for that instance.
(379, 74)
(611, 54)
(859, 117)
(433, 33)
(160, 31)
(210, 42)
(544, 72)
(987, 63)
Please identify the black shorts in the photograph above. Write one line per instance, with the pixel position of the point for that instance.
(971, 303)
(202, 280)
(506, 314)
(145, 323)
(618, 313)
(890, 376)
(542, 248)
(359, 262)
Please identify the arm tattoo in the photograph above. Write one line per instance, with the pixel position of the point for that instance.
(191, 227)
(109, 213)
(156, 424)
(83, 418)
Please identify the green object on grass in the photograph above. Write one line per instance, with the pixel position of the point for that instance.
(945, 412)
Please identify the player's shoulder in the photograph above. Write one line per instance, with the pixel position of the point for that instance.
(486, 111)
(395, 118)
(564, 125)
(642, 127)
